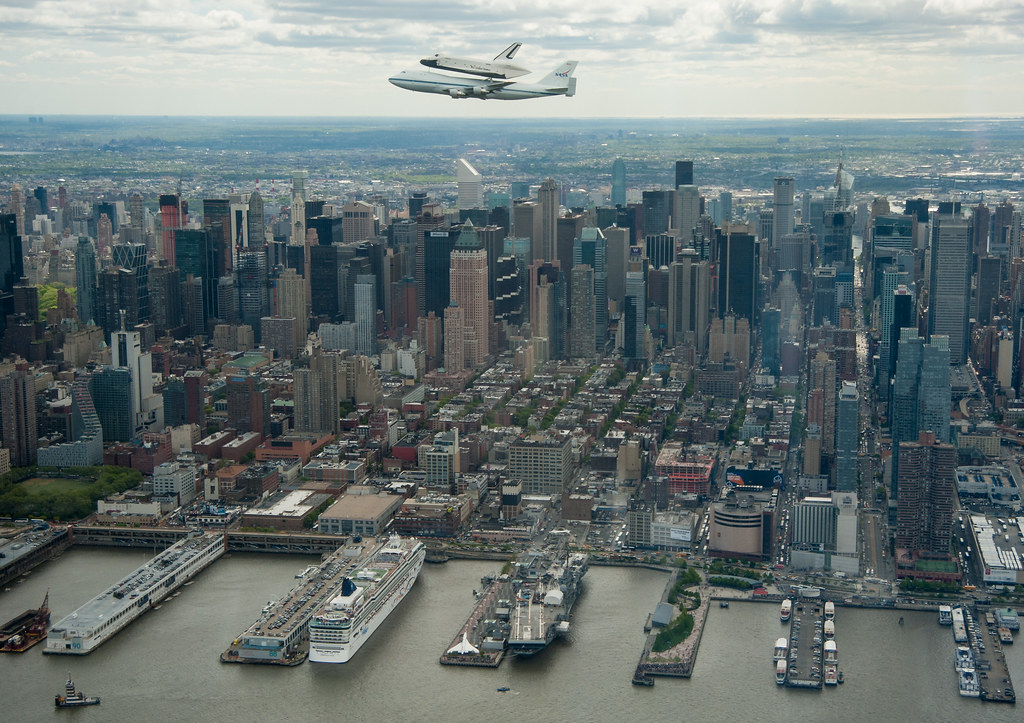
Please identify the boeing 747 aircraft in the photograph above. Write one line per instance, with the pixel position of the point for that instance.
(558, 82)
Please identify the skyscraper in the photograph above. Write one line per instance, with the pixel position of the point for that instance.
(927, 496)
(454, 338)
(847, 437)
(133, 257)
(85, 280)
(547, 197)
(921, 394)
(468, 290)
(253, 286)
(307, 401)
(634, 318)
(782, 205)
(199, 257)
(771, 350)
(470, 184)
(257, 224)
(657, 211)
(949, 289)
(548, 306)
(738, 272)
(173, 211)
(291, 302)
(357, 222)
(618, 182)
(590, 248)
(248, 404)
(366, 314)
(684, 173)
(686, 213)
(582, 341)
(689, 294)
(18, 433)
(147, 407)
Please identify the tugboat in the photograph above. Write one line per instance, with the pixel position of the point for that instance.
(73, 698)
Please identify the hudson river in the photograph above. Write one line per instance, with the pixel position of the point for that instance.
(165, 666)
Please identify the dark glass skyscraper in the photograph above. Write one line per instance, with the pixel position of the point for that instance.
(591, 249)
(133, 257)
(949, 290)
(738, 277)
(12, 265)
(619, 182)
(85, 280)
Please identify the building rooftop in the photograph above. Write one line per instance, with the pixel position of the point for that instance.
(362, 507)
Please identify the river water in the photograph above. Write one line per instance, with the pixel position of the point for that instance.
(165, 666)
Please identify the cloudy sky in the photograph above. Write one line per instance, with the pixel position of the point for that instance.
(638, 58)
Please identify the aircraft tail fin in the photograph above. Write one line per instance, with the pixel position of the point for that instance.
(508, 52)
(561, 76)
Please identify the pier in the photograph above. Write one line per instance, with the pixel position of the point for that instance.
(677, 662)
(29, 549)
(280, 636)
(105, 615)
(237, 541)
(989, 659)
(486, 629)
(805, 642)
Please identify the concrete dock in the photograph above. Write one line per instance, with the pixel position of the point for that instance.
(482, 639)
(989, 659)
(805, 644)
(280, 635)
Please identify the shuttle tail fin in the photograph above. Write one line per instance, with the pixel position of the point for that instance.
(508, 52)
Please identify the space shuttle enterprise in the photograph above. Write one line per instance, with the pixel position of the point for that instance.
(485, 79)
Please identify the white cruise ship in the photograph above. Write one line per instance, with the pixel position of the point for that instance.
(101, 618)
(364, 600)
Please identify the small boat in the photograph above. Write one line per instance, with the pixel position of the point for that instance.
(901, 620)
(504, 689)
(73, 698)
(839, 677)
(723, 604)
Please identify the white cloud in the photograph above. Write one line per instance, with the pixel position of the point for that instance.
(673, 57)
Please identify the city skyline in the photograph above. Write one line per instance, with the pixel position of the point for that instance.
(914, 58)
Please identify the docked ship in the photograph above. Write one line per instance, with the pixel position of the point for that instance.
(945, 615)
(831, 652)
(548, 587)
(830, 610)
(959, 626)
(780, 672)
(786, 610)
(24, 631)
(968, 681)
(364, 600)
(831, 674)
(98, 620)
(781, 649)
(830, 629)
(964, 659)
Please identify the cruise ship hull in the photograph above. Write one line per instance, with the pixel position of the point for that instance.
(325, 651)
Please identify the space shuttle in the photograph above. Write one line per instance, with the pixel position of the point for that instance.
(500, 67)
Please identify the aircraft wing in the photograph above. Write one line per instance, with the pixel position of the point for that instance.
(480, 91)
